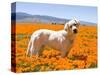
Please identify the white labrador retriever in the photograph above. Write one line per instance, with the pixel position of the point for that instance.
(60, 40)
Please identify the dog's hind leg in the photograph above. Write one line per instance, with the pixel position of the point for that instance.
(29, 47)
(41, 50)
(33, 50)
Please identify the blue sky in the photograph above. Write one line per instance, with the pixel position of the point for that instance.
(84, 13)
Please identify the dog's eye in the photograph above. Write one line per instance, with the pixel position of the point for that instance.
(75, 24)
(70, 26)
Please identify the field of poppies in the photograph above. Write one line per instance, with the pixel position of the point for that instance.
(83, 55)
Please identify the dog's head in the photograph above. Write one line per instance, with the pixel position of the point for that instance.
(72, 26)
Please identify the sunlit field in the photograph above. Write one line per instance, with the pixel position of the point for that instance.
(83, 54)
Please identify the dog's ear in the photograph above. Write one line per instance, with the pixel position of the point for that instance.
(66, 27)
(77, 21)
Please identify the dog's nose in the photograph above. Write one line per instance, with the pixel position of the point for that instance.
(75, 30)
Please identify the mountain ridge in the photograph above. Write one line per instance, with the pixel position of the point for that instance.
(25, 17)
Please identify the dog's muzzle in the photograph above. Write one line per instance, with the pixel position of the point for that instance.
(75, 31)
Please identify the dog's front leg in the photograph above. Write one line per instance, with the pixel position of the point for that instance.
(63, 54)
(65, 51)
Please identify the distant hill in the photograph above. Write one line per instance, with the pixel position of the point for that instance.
(87, 23)
(24, 17)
